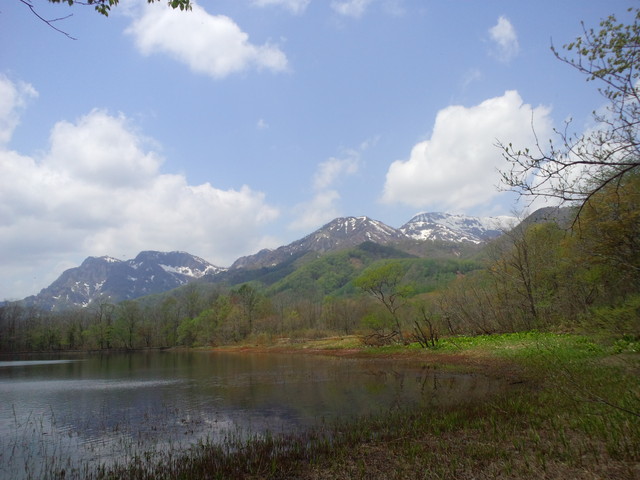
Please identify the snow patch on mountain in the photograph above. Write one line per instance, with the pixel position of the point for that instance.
(456, 228)
(109, 279)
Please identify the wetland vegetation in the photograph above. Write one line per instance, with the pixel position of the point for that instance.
(567, 408)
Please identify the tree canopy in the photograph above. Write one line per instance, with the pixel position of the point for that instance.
(103, 7)
(576, 166)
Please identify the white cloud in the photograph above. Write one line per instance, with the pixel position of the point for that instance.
(350, 8)
(320, 210)
(470, 77)
(395, 8)
(505, 38)
(97, 191)
(323, 207)
(210, 44)
(13, 97)
(456, 169)
(117, 159)
(295, 6)
(330, 170)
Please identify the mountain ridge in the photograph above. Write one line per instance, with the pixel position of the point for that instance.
(342, 232)
(455, 227)
(107, 278)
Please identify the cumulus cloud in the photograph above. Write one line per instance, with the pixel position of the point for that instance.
(350, 8)
(210, 44)
(456, 169)
(323, 207)
(98, 190)
(505, 39)
(13, 97)
(102, 139)
(320, 210)
(330, 170)
(295, 6)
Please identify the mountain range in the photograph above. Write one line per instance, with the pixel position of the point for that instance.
(107, 278)
(348, 232)
(116, 280)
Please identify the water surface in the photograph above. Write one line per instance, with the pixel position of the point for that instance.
(105, 408)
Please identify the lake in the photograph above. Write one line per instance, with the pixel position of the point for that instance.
(101, 408)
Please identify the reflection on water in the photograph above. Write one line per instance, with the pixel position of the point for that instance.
(26, 363)
(110, 407)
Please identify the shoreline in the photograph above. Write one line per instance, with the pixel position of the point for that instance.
(463, 362)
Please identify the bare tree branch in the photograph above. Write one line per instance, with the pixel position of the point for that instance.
(575, 167)
(49, 22)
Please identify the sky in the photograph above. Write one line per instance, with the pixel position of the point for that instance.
(248, 124)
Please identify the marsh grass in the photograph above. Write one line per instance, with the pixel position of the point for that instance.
(572, 412)
(513, 436)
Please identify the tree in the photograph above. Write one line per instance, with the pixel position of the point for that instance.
(342, 314)
(169, 316)
(384, 283)
(128, 317)
(608, 243)
(204, 328)
(471, 304)
(426, 339)
(525, 265)
(103, 7)
(576, 167)
(249, 300)
(100, 333)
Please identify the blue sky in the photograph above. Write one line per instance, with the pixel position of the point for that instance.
(246, 124)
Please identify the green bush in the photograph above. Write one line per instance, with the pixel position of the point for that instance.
(623, 319)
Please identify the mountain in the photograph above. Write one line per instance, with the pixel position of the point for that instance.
(563, 216)
(340, 233)
(455, 228)
(433, 235)
(329, 273)
(117, 280)
(348, 232)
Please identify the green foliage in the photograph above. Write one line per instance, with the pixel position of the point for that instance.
(209, 327)
(103, 7)
(577, 166)
(265, 275)
(610, 54)
(188, 331)
(527, 346)
(607, 238)
(377, 321)
(428, 275)
(382, 279)
(332, 273)
(622, 319)
(627, 344)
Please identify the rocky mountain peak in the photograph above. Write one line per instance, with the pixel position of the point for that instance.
(109, 279)
(455, 228)
(342, 232)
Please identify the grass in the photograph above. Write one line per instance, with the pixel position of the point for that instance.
(573, 411)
